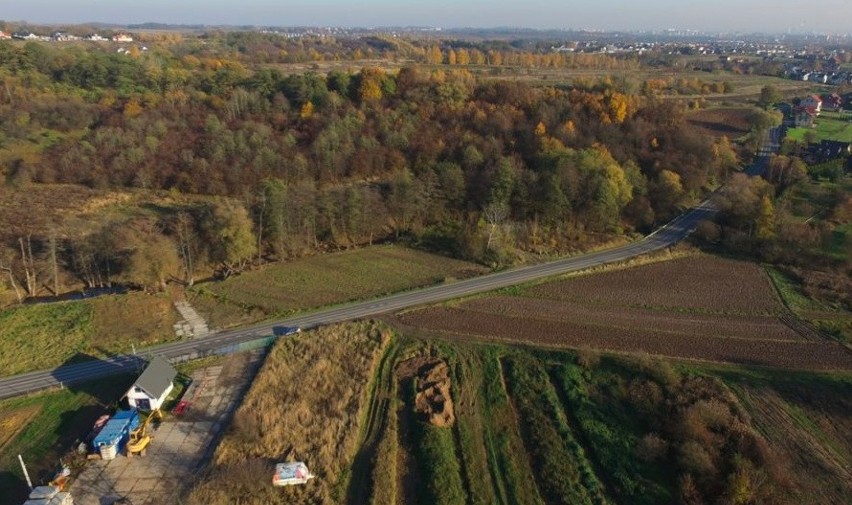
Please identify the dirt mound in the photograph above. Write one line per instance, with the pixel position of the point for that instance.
(433, 400)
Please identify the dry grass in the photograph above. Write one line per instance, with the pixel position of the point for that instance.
(13, 421)
(305, 405)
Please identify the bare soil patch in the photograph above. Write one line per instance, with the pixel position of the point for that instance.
(12, 422)
(433, 400)
(712, 325)
(529, 329)
(698, 283)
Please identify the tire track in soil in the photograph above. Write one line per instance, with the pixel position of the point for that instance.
(360, 486)
(457, 443)
(582, 439)
(804, 328)
(468, 399)
(533, 474)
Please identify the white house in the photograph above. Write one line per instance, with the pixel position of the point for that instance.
(153, 386)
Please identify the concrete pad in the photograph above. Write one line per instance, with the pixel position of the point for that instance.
(124, 486)
(146, 485)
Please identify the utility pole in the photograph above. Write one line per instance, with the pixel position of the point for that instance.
(26, 475)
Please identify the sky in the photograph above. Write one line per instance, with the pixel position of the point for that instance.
(777, 16)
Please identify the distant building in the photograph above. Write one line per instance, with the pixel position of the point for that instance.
(122, 37)
(812, 102)
(832, 149)
(803, 117)
(832, 102)
(25, 36)
(4, 36)
(153, 386)
(64, 37)
(96, 38)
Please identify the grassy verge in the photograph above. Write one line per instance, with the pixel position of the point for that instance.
(790, 293)
(829, 320)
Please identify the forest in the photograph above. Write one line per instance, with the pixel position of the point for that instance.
(260, 165)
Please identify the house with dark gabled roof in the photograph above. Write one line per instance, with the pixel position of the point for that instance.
(153, 386)
(812, 102)
(803, 117)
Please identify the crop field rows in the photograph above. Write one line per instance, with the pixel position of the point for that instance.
(503, 412)
(535, 427)
(700, 308)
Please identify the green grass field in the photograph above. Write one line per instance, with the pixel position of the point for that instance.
(828, 126)
(323, 280)
(47, 335)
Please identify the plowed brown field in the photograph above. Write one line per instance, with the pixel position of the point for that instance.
(701, 308)
(702, 283)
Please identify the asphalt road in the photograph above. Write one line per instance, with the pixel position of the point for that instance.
(70, 374)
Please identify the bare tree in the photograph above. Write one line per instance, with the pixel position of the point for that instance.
(53, 263)
(261, 211)
(185, 230)
(6, 266)
(29, 265)
(495, 214)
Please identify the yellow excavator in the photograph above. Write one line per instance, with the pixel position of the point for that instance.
(139, 438)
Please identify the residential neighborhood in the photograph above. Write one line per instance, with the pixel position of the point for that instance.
(61, 36)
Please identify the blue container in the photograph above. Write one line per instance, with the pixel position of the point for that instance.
(117, 430)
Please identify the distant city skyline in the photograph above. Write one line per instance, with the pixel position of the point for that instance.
(776, 16)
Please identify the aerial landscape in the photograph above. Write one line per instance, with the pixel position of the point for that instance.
(407, 253)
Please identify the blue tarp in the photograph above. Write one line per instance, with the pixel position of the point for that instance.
(117, 429)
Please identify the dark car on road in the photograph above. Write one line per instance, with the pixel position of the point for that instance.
(285, 331)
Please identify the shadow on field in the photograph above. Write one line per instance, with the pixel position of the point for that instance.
(13, 487)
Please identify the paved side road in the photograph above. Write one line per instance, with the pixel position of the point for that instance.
(181, 445)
